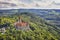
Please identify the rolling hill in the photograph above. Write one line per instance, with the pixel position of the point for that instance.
(41, 29)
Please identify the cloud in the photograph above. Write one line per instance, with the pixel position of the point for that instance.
(30, 4)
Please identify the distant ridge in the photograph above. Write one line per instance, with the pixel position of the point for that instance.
(30, 10)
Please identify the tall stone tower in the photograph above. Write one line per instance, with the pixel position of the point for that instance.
(20, 19)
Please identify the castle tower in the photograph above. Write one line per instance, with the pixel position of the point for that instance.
(20, 19)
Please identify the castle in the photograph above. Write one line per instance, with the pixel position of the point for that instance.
(21, 25)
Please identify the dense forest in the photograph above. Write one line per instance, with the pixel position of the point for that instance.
(40, 29)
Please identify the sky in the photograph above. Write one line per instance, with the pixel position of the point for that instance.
(39, 4)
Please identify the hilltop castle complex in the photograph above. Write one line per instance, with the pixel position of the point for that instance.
(21, 25)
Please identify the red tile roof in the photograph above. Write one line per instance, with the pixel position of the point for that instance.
(21, 24)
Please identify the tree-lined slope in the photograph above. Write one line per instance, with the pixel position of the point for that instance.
(40, 29)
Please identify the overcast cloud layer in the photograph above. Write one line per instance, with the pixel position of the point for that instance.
(7, 4)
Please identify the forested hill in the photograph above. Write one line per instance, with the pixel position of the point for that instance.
(40, 28)
(51, 15)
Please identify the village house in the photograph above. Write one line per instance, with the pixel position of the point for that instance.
(21, 25)
(2, 30)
